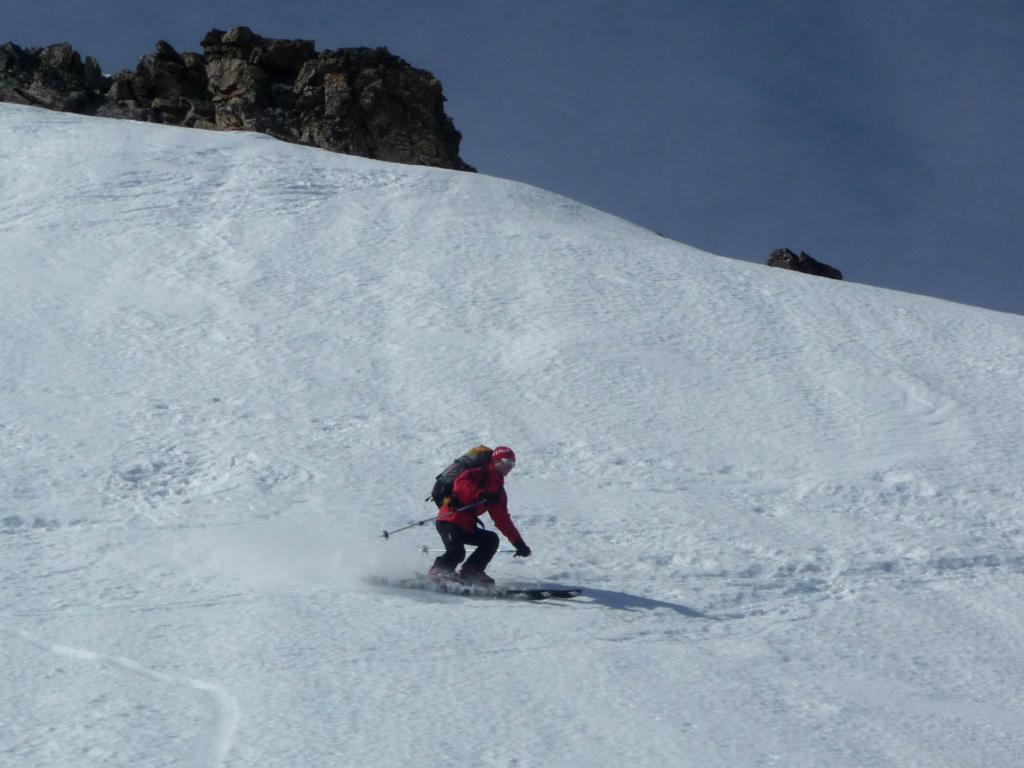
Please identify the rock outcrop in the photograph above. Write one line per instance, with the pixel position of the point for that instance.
(360, 101)
(53, 77)
(786, 259)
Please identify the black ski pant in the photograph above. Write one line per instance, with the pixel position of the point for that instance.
(455, 540)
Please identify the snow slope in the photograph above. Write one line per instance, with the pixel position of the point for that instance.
(227, 363)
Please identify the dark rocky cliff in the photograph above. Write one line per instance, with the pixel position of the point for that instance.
(360, 101)
(786, 259)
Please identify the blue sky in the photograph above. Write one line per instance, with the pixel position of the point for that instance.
(883, 138)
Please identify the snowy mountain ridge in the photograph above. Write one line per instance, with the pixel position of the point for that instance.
(227, 363)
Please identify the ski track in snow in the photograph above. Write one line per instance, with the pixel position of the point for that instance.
(226, 363)
(226, 723)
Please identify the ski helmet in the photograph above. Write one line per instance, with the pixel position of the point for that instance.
(504, 459)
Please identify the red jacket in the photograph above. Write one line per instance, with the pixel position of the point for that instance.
(467, 489)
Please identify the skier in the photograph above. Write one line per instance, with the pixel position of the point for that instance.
(459, 527)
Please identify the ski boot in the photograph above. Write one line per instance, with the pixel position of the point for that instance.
(475, 578)
(442, 575)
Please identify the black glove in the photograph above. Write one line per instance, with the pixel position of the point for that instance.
(490, 498)
(522, 550)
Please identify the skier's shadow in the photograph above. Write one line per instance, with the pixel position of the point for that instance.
(623, 601)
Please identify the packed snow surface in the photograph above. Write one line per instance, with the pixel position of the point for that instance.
(227, 364)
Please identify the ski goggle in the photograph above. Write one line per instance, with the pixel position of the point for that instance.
(504, 466)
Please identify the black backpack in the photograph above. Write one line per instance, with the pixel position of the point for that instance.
(477, 456)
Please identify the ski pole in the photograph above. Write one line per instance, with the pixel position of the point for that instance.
(428, 551)
(387, 534)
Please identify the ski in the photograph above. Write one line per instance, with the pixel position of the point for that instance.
(559, 594)
(471, 590)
